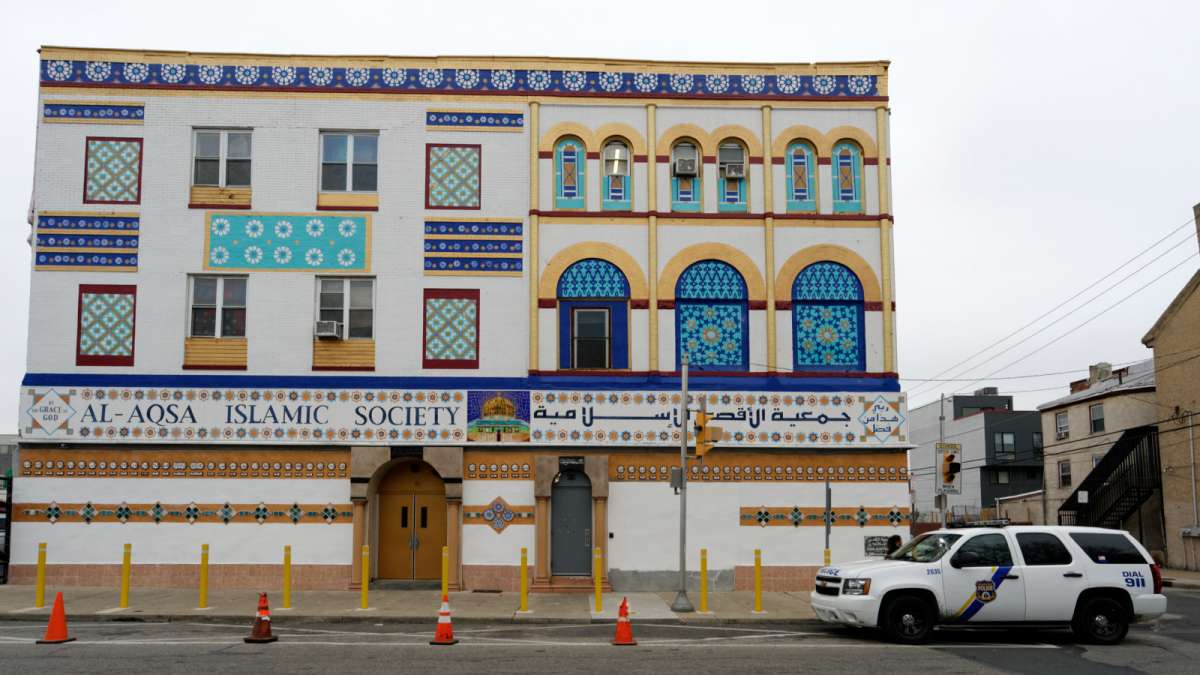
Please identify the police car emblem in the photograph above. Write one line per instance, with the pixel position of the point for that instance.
(985, 591)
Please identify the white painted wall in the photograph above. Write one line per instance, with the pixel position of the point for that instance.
(482, 545)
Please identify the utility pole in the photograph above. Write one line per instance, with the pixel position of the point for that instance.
(681, 603)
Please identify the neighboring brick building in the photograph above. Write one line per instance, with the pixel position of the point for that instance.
(1175, 339)
(414, 302)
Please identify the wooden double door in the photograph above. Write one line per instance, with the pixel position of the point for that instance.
(412, 523)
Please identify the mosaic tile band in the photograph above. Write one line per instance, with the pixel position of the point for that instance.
(484, 121)
(790, 86)
(796, 516)
(158, 512)
(94, 113)
(287, 242)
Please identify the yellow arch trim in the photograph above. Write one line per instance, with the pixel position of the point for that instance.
(752, 142)
(561, 129)
(608, 131)
(667, 279)
(838, 254)
(849, 133)
(670, 136)
(548, 285)
(797, 132)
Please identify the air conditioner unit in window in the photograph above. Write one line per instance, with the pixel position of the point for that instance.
(1061, 435)
(685, 167)
(329, 330)
(735, 170)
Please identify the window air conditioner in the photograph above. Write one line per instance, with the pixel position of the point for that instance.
(1061, 435)
(329, 330)
(685, 167)
(735, 170)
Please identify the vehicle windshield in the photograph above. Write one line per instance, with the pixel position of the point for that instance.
(929, 547)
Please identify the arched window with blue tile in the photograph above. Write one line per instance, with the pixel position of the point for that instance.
(617, 181)
(711, 317)
(801, 177)
(593, 316)
(827, 318)
(847, 178)
(686, 168)
(731, 169)
(570, 173)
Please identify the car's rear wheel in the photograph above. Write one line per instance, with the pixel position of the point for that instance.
(1101, 621)
(908, 619)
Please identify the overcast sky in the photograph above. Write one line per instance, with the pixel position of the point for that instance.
(1036, 146)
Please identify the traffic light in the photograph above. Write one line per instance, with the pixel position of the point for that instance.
(950, 468)
(706, 435)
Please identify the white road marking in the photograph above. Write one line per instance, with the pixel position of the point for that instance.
(113, 610)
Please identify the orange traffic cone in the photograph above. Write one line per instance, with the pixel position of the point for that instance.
(624, 635)
(261, 630)
(56, 630)
(445, 630)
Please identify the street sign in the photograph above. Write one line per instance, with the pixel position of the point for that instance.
(948, 468)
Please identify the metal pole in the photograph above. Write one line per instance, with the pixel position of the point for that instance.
(681, 603)
(828, 519)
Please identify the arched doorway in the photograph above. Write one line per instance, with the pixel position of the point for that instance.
(412, 522)
(571, 524)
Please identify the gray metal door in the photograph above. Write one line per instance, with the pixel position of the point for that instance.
(571, 524)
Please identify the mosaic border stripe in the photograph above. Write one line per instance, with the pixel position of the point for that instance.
(474, 247)
(798, 516)
(83, 463)
(73, 112)
(502, 81)
(159, 512)
(474, 120)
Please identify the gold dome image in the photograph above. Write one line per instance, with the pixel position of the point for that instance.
(499, 407)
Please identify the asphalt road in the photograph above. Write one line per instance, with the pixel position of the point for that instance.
(1170, 645)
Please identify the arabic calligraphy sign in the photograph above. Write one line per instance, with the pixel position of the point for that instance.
(453, 417)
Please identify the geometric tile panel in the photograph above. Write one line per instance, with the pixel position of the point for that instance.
(452, 176)
(395, 77)
(96, 242)
(106, 319)
(593, 278)
(451, 328)
(473, 247)
(287, 242)
(713, 334)
(710, 280)
(498, 515)
(113, 173)
(826, 281)
(827, 335)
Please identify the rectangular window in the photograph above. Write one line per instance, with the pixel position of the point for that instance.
(1109, 549)
(349, 162)
(1000, 477)
(1096, 415)
(221, 158)
(1043, 548)
(1038, 444)
(1005, 443)
(218, 307)
(591, 338)
(1061, 427)
(350, 302)
(451, 328)
(1096, 459)
(800, 176)
(1064, 473)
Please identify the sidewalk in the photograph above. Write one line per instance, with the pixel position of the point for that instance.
(164, 604)
(1188, 579)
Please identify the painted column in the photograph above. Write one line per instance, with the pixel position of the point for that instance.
(454, 542)
(885, 240)
(534, 267)
(360, 533)
(769, 235)
(652, 229)
(600, 528)
(541, 565)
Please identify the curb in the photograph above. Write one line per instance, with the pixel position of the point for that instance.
(283, 622)
(1183, 585)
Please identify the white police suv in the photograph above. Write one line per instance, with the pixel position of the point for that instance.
(1095, 580)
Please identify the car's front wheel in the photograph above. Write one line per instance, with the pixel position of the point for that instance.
(1101, 621)
(908, 619)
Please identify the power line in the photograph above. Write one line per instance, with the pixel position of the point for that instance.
(1095, 316)
(1076, 295)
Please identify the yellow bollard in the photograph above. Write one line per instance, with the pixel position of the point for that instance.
(704, 581)
(39, 593)
(366, 575)
(203, 577)
(827, 557)
(126, 559)
(287, 577)
(597, 572)
(524, 579)
(445, 570)
(758, 581)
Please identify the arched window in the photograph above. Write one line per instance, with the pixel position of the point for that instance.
(801, 177)
(618, 176)
(593, 316)
(731, 165)
(847, 178)
(686, 168)
(570, 174)
(827, 318)
(711, 323)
